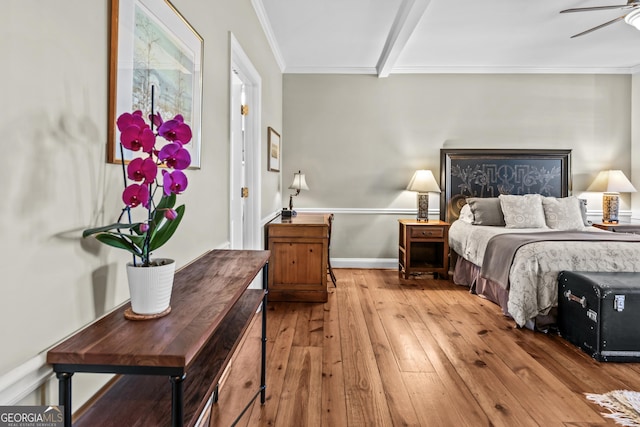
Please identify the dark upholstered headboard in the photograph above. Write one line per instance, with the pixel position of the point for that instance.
(489, 173)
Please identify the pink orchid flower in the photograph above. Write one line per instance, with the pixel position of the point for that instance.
(140, 169)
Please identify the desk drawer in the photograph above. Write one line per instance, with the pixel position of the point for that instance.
(426, 232)
(299, 231)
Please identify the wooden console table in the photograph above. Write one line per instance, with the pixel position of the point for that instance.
(299, 249)
(211, 310)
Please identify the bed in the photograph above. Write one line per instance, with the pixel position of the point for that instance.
(543, 229)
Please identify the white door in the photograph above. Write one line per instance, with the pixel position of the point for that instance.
(237, 202)
(245, 164)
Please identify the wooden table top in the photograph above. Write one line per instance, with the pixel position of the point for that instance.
(302, 219)
(202, 295)
(416, 222)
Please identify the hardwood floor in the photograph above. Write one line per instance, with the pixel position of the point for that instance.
(421, 352)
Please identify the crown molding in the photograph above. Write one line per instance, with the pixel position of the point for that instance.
(261, 13)
(465, 70)
(330, 70)
(512, 70)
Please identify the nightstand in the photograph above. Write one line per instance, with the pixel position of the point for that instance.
(619, 228)
(423, 247)
(603, 226)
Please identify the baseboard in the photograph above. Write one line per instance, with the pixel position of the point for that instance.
(382, 263)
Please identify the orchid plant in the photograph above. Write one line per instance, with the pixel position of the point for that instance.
(162, 220)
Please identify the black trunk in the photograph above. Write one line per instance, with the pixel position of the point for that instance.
(600, 313)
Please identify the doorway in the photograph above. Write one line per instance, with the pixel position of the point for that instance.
(245, 106)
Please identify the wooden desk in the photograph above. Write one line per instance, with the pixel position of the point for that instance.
(211, 309)
(299, 257)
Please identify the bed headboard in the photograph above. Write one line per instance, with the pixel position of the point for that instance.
(489, 173)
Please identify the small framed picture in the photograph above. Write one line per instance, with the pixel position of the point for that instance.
(273, 149)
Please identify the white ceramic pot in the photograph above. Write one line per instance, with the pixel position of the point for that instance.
(150, 287)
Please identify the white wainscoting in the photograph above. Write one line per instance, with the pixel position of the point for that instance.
(18, 383)
(389, 263)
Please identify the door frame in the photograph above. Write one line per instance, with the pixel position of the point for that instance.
(253, 89)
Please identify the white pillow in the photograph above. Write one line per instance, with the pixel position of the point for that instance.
(466, 215)
(564, 213)
(522, 211)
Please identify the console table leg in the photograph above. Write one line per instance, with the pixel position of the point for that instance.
(177, 404)
(263, 361)
(64, 395)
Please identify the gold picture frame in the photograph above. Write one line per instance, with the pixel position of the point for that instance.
(273, 150)
(152, 45)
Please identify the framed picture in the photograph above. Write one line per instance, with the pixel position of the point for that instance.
(153, 46)
(273, 149)
(491, 172)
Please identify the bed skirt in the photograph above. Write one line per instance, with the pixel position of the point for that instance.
(467, 274)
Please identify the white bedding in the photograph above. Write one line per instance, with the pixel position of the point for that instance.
(533, 278)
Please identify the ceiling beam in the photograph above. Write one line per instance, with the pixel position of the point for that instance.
(407, 18)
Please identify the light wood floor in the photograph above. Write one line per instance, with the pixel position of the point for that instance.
(421, 352)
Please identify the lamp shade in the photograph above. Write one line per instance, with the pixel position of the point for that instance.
(612, 181)
(423, 181)
(299, 182)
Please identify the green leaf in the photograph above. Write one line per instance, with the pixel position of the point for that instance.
(166, 202)
(117, 242)
(164, 232)
(136, 240)
(109, 227)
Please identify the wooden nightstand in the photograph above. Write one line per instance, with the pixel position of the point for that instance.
(604, 226)
(423, 248)
(620, 228)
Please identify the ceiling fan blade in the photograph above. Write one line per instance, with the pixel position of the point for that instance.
(613, 21)
(588, 9)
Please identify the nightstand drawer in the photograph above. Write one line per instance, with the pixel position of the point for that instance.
(426, 232)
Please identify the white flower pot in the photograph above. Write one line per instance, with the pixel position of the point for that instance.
(150, 287)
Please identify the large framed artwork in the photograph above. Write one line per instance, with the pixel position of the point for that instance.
(153, 46)
(489, 173)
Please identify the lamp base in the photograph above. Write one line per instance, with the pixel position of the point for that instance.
(610, 206)
(423, 207)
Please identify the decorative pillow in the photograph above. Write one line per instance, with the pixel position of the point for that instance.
(522, 211)
(486, 211)
(563, 213)
(466, 215)
(583, 212)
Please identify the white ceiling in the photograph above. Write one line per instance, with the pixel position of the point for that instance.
(447, 36)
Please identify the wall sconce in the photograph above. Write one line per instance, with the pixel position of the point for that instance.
(611, 183)
(424, 183)
(299, 183)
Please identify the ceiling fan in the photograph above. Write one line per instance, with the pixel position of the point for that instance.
(629, 17)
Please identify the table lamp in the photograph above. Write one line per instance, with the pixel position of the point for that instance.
(424, 183)
(611, 183)
(299, 183)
